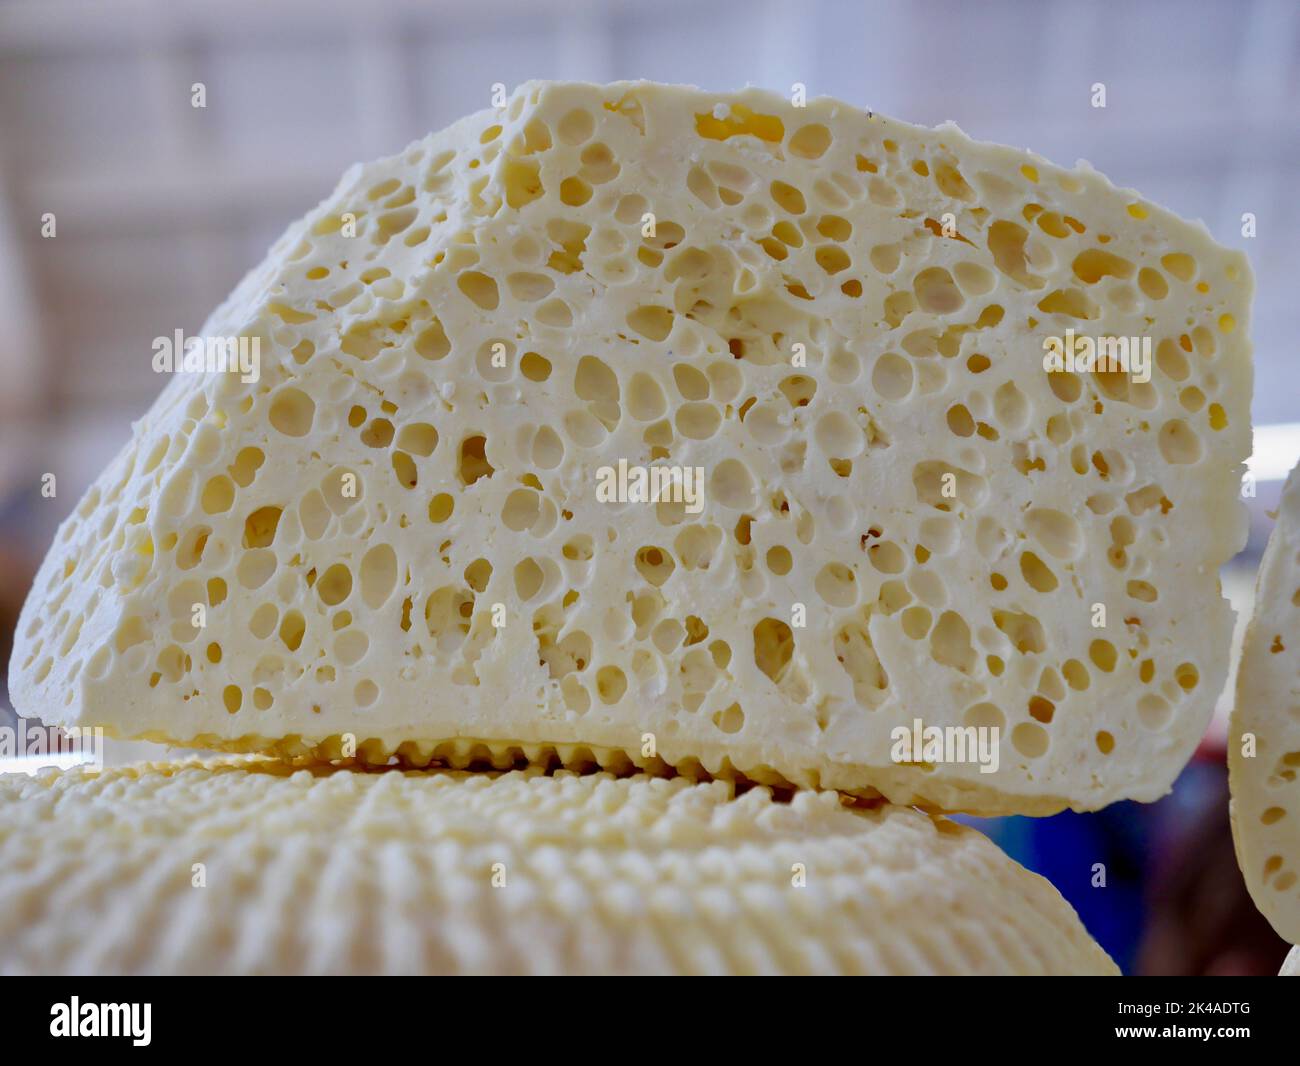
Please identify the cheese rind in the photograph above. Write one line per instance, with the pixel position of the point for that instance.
(397, 534)
(1264, 734)
(388, 872)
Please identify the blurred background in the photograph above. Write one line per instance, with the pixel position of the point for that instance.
(159, 207)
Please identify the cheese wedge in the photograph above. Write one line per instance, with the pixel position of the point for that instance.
(1264, 735)
(634, 422)
(256, 868)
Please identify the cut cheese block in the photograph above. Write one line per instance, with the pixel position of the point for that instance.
(642, 423)
(1291, 964)
(255, 868)
(1264, 737)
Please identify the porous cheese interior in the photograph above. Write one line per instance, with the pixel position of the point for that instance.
(254, 868)
(396, 534)
(1264, 738)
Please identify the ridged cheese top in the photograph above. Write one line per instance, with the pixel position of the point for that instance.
(836, 320)
(1264, 738)
(443, 872)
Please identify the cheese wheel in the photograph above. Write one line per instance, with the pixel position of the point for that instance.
(1264, 733)
(664, 427)
(255, 867)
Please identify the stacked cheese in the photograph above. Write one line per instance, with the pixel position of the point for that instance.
(645, 427)
(402, 533)
(1264, 739)
(255, 868)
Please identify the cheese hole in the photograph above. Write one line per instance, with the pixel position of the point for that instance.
(480, 289)
(653, 323)
(788, 198)
(262, 621)
(654, 564)
(473, 463)
(810, 142)
(1030, 739)
(576, 126)
(595, 381)
(936, 292)
(478, 574)
(732, 485)
(698, 421)
(292, 412)
(292, 628)
(378, 575)
(646, 401)
(1036, 573)
(1103, 655)
(535, 367)
(418, 438)
(950, 643)
(521, 511)
(335, 585)
(405, 469)
(260, 527)
(892, 377)
(1152, 284)
(1180, 265)
(611, 684)
(773, 648)
(432, 342)
(574, 192)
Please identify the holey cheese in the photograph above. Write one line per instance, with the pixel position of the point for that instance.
(1264, 738)
(255, 868)
(439, 522)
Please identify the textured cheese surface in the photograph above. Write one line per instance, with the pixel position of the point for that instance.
(837, 318)
(1265, 789)
(444, 872)
(1291, 964)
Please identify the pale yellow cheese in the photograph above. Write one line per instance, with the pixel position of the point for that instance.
(252, 867)
(395, 539)
(1264, 736)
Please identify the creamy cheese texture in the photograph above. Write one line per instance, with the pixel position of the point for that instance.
(817, 336)
(1264, 737)
(341, 871)
(1291, 964)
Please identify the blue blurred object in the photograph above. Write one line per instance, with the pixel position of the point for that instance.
(1136, 843)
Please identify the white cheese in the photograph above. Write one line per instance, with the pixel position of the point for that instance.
(1264, 736)
(255, 868)
(400, 532)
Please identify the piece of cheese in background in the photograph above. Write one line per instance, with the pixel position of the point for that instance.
(343, 871)
(402, 532)
(1264, 732)
(1291, 964)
